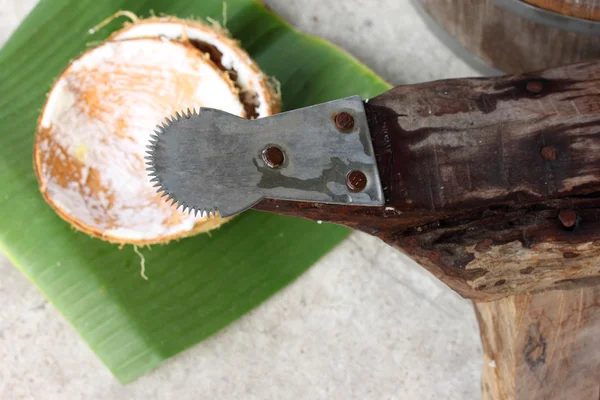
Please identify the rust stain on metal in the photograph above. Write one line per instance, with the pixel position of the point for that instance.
(273, 156)
(549, 153)
(344, 121)
(356, 181)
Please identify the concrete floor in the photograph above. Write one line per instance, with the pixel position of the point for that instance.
(364, 323)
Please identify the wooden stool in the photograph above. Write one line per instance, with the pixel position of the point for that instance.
(543, 344)
(493, 185)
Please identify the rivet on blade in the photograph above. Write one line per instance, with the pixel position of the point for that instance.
(273, 156)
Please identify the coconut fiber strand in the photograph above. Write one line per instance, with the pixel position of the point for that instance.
(197, 285)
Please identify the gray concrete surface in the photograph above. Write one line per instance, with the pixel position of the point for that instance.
(364, 323)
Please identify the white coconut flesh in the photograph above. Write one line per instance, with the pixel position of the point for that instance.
(93, 131)
(253, 84)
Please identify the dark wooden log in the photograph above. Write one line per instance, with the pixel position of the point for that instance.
(491, 184)
(515, 42)
(541, 347)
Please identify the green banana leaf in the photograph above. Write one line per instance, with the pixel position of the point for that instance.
(198, 285)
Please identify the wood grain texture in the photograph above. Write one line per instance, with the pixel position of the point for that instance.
(469, 193)
(586, 9)
(507, 41)
(542, 346)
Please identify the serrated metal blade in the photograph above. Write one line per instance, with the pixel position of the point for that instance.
(212, 161)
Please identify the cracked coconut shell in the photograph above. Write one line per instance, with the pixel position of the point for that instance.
(92, 133)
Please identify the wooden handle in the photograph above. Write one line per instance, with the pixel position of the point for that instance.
(470, 143)
(491, 184)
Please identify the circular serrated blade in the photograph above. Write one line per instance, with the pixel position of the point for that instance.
(193, 164)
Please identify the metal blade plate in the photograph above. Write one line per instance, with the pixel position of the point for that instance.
(212, 161)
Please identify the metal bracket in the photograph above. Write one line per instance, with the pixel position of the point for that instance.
(216, 161)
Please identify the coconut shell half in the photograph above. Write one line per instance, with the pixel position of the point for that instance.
(92, 134)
